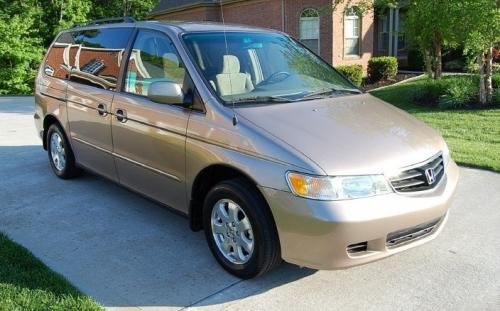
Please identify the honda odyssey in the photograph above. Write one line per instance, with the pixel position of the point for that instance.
(261, 143)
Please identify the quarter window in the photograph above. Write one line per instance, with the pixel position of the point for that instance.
(153, 58)
(309, 29)
(57, 62)
(351, 33)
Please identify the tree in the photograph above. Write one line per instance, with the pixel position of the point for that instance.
(20, 47)
(480, 25)
(138, 9)
(64, 14)
(431, 25)
(27, 27)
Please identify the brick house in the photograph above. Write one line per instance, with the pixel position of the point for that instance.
(340, 37)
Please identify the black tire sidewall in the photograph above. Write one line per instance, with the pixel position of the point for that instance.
(250, 203)
(66, 172)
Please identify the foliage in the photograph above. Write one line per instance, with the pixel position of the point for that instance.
(460, 92)
(471, 134)
(27, 284)
(353, 72)
(428, 93)
(480, 32)
(27, 27)
(20, 48)
(139, 9)
(451, 92)
(382, 68)
(496, 81)
(480, 25)
(431, 25)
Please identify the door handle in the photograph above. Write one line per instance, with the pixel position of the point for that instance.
(101, 110)
(121, 115)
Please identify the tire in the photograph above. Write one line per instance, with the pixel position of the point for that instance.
(62, 160)
(240, 195)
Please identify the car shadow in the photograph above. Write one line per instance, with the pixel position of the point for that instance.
(113, 244)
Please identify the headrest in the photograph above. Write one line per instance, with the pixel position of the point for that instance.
(170, 60)
(231, 64)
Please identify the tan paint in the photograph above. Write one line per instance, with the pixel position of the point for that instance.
(160, 150)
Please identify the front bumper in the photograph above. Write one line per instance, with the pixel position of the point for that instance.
(317, 234)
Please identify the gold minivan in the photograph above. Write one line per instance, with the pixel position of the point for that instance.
(263, 145)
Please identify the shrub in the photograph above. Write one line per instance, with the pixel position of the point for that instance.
(496, 67)
(429, 93)
(460, 92)
(496, 97)
(451, 92)
(382, 68)
(352, 72)
(495, 80)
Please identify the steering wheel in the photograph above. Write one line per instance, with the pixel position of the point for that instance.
(276, 77)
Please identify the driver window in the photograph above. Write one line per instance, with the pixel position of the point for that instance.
(153, 58)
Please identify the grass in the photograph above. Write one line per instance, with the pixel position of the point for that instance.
(472, 135)
(27, 284)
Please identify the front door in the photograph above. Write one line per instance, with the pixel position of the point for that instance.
(149, 138)
(95, 59)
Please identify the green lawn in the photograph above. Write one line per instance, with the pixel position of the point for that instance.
(27, 284)
(472, 135)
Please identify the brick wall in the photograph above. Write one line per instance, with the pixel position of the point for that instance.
(205, 13)
(366, 37)
(293, 10)
(284, 15)
(261, 13)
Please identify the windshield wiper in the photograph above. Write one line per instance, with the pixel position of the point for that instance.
(328, 91)
(260, 99)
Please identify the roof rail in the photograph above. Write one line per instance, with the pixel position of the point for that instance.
(125, 19)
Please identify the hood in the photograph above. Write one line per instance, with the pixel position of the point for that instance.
(354, 134)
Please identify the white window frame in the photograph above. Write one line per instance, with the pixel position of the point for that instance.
(351, 15)
(310, 15)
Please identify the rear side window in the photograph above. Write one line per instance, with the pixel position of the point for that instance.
(91, 57)
(96, 56)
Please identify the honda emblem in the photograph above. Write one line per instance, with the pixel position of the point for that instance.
(429, 175)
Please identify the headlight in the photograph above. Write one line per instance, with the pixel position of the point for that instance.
(446, 155)
(328, 188)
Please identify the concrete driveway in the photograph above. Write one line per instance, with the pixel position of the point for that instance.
(125, 251)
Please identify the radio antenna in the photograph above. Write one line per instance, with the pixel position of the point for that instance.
(235, 118)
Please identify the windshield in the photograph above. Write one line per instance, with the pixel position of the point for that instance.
(263, 68)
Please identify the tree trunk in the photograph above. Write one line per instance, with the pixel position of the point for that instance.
(488, 84)
(428, 63)
(438, 70)
(482, 89)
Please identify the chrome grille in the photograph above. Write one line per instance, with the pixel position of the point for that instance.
(424, 176)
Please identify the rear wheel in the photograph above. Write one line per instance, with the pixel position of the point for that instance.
(240, 230)
(61, 156)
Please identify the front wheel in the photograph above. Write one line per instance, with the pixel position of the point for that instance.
(61, 156)
(240, 230)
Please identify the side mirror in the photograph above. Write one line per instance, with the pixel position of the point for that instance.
(166, 93)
